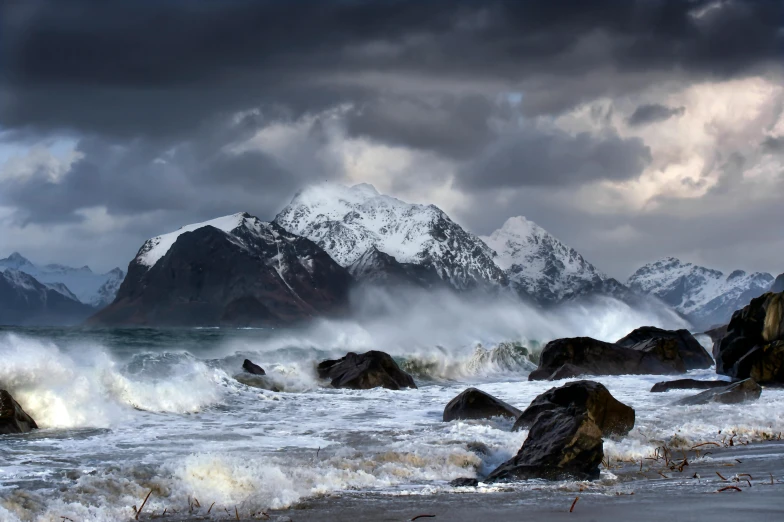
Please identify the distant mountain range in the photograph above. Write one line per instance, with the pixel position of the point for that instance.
(705, 296)
(239, 270)
(27, 292)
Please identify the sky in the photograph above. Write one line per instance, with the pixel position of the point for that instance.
(631, 130)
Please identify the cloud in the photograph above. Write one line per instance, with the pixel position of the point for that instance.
(535, 157)
(653, 113)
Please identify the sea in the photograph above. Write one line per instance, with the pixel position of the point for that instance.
(162, 423)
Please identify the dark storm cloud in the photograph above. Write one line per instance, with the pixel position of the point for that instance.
(773, 144)
(198, 178)
(531, 157)
(652, 113)
(147, 66)
(452, 126)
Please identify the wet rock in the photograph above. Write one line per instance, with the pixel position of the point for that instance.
(480, 448)
(737, 392)
(562, 444)
(364, 371)
(687, 384)
(464, 482)
(262, 382)
(694, 356)
(716, 333)
(476, 404)
(586, 356)
(255, 369)
(13, 419)
(611, 415)
(753, 346)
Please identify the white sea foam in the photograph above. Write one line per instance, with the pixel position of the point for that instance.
(87, 389)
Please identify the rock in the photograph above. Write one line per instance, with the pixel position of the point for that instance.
(476, 404)
(610, 415)
(694, 356)
(562, 443)
(716, 333)
(13, 418)
(742, 391)
(255, 369)
(263, 382)
(687, 384)
(364, 371)
(753, 346)
(464, 482)
(569, 357)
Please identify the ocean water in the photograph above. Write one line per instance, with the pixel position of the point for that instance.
(126, 412)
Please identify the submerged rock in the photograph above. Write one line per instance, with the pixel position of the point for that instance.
(694, 356)
(687, 384)
(611, 415)
(464, 482)
(574, 356)
(753, 346)
(562, 443)
(13, 419)
(737, 392)
(364, 371)
(255, 369)
(476, 404)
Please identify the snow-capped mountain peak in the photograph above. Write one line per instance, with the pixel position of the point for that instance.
(348, 221)
(703, 294)
(539, 265)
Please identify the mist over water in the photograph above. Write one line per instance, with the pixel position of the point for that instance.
(124, 412)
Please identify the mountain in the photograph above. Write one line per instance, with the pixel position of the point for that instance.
(539, 266)
(25, 301)
(376, 267)
(235, 270)
(778, 284)
(352, 222)
(705, 296)
(90, 288)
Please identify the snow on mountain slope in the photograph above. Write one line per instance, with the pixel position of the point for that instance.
(82, 282)
(538, 265)
(348, 221)
(704, 295)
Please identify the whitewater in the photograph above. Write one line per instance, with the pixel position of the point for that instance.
(127, 413)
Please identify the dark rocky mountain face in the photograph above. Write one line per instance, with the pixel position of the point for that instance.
(253, 273)
(380, 269)
(778, 284)
(24, 301)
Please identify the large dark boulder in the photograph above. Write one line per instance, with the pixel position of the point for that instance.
(13, 418)
(694, 356)
(737, 392)
(687, 384)
(611, 415)
(753, 346)
(362, 371)
(253, 368)
(586, 356)
(562, 443)
(476, 404)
